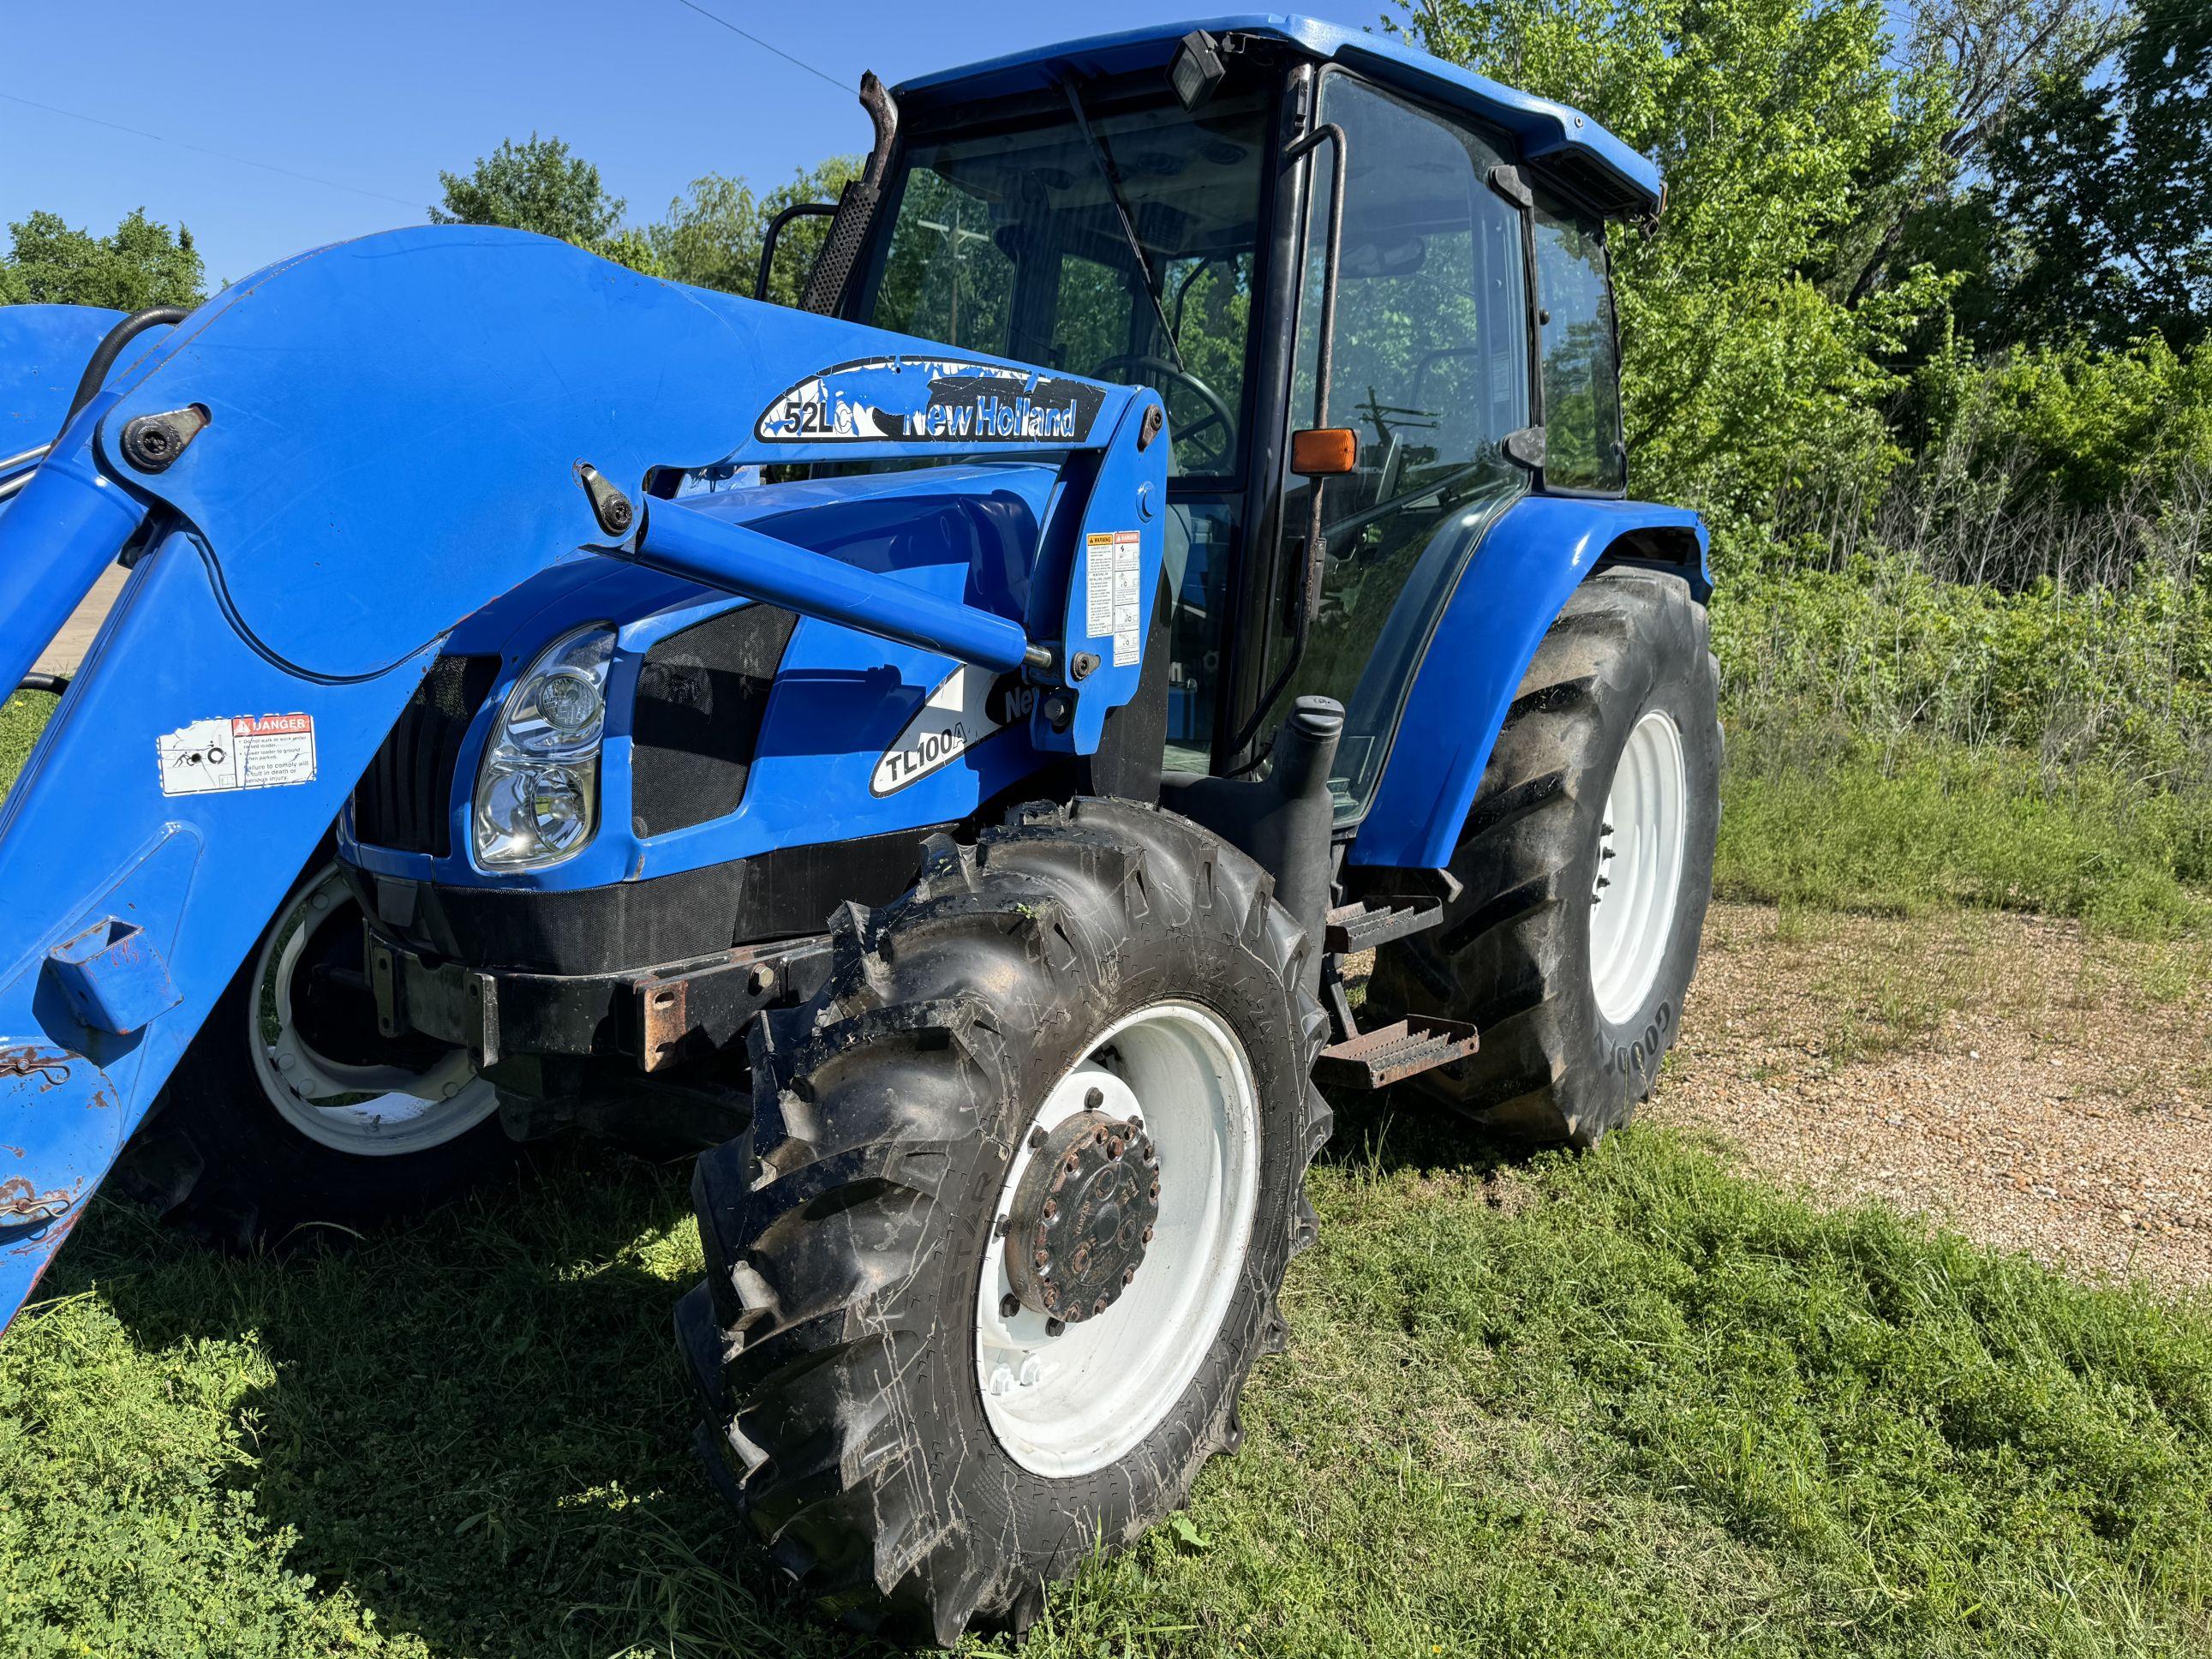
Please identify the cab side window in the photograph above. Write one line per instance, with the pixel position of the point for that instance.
(1576, 353)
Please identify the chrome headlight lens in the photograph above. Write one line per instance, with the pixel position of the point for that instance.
(537, 790)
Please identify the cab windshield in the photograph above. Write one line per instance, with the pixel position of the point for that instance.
(1011, 243)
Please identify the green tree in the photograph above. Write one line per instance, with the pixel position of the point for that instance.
(540, 186)
(142, 263)
(713, 237)
(2101, 180)
(1747, 370)
(1968, 67)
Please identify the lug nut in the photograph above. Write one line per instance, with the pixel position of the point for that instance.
(1148, 1235)
(1004, 1225)
(1094, 1098)
(1036, 1137)
(1009, 1305)
(1054, 1326)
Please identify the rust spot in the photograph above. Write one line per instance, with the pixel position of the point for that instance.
(19, 1201)
(50, 1065)
(664, 1015)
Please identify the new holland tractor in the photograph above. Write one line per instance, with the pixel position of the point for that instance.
(943, 747)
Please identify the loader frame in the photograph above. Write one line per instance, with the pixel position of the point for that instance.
(262, 648)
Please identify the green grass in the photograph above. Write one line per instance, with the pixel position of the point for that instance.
(1620, 1403)
(1835, 823)
(22, 717)
(1624, 1403)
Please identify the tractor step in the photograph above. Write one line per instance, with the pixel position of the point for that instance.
(1353, 927)
(1377, 1059)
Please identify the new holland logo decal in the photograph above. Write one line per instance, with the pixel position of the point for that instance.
(937, 400)
(967, 707)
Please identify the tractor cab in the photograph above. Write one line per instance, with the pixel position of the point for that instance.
(1357, 384)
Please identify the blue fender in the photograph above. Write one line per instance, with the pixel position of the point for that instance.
(1532, 557)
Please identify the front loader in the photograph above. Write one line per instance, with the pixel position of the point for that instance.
(949, 749)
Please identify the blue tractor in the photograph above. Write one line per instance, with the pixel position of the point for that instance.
(941, 748)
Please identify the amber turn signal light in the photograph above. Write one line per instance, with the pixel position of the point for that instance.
(1323, 451)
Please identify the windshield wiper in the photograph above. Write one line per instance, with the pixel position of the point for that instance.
(1106, 171)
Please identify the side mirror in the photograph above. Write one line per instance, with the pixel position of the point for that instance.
(803, 210)
(1324, 452)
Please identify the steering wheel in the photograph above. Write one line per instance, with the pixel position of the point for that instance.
(1218, 418)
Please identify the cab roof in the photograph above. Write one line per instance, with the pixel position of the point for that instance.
(1563, 141)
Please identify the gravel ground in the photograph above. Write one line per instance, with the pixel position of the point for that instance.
(2034, 1088)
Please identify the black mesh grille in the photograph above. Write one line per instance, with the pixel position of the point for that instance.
(700, 697)
(1598, 186)
(402, 801)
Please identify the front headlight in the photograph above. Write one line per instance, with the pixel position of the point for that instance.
(537, 791)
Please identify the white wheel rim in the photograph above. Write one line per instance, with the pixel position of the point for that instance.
(1069, 1404)
(371, 1111)
(1639, 868)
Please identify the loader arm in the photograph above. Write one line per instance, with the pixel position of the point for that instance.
(327, 467)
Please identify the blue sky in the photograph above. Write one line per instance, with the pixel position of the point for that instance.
(378, 98)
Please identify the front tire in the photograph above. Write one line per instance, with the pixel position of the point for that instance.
(894, 1403)
(289, 1110)
(1586, 866)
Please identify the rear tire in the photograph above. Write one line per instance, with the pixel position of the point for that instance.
(1575, 988)
(857, 1337)
(237, 1151)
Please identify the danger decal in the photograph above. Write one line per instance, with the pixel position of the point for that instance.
(1112, 561)
(238, 752)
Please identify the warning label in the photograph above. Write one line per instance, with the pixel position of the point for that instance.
(1112, 564)
(242, 751)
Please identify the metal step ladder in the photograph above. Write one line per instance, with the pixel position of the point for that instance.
(1390, 1053)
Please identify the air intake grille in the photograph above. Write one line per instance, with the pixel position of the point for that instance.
(403, 800)
(700, 694)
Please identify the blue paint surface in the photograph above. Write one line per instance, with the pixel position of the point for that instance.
(43, 352)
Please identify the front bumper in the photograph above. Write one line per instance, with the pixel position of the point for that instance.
(659, 1017)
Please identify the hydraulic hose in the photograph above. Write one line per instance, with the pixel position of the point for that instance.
(111, 346)
(52, 685)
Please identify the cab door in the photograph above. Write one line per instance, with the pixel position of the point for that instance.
(1432, 371)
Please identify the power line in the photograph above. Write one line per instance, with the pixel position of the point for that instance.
(221, 155)
(764, 45)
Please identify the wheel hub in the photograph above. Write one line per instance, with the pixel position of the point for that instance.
(1082, 1215)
